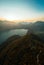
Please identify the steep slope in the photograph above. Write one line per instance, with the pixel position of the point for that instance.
(28, 50)
(8, 41)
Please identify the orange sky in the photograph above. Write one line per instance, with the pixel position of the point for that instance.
(26, 20)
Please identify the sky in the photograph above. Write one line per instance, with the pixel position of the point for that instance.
(21, 9)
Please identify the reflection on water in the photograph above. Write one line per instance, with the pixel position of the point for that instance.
(6, 34)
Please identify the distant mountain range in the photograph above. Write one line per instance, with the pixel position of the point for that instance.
(27, 50)
(6, 25)
(37, 26)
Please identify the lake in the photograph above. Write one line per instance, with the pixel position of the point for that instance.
(6, 34)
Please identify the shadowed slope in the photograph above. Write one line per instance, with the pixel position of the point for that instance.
(27, 50)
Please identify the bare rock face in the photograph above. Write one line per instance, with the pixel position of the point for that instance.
(27, 50)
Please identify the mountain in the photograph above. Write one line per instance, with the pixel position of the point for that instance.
(38, 26)
(38, 29)
(8, 25)
(9, 40)
(27, 50)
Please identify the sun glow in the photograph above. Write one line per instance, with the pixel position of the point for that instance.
(10, 18)
(21, 9)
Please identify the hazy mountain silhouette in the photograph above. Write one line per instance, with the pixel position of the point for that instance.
(8, 25)
(38, 26)
(27, 50)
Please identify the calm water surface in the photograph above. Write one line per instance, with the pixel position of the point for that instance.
(6, 34)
